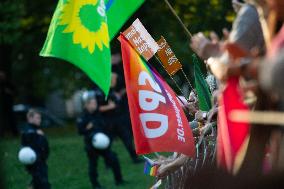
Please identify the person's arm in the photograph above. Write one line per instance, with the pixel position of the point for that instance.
(122, 92)
(165, 160)
(204, 47)
(206, 130)
(28, 137)
(110, 106)
(83, 126)
(201, 115)
(31, 139)
(42, 147)
(24, 139)
(172, 166)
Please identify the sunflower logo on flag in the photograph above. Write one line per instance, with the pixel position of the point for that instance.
(86, 19)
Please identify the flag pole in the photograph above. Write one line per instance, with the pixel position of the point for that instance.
(172, 79)
(188, 82)
(263, 118)
(187, 32)
(187, 99)
(189, 35)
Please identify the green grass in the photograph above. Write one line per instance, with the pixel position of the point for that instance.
(68, 164)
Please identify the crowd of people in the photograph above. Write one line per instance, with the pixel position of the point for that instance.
(251, 51)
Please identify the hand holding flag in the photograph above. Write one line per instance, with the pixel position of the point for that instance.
(158, 121)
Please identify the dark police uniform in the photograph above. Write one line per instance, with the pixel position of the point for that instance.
(118, 120)
(39, 143)
(92, 153)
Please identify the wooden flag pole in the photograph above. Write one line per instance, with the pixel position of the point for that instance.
(187, 32)
(258, 117)
(189, 35)
(172, 79)
(187, 80)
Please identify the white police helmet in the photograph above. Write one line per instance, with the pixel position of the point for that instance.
(27, 156)
(100, 141)
(87, 95)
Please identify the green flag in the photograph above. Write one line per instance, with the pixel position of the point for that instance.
(201, 87)
(118, 11)
(78, 33)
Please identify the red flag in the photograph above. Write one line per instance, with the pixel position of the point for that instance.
(158, 122)
(233, 137)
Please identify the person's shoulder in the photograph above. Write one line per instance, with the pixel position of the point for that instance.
(248, 10)
(81, 117)
(28, 129)
(98, 92)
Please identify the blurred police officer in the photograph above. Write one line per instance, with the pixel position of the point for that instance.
(34, 138)
(89, 124)
(116, 114)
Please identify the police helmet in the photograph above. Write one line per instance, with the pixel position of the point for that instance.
(27, 156)
(100, 141)
(88, 95)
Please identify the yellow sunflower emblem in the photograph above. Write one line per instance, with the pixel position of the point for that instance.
(86, 20)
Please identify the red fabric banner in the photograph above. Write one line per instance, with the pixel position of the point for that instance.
(233, 137)
(158, 122)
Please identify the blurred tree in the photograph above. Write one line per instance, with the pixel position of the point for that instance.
(24, 24)
(197, 15)
(23, 29)
(10, 14)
